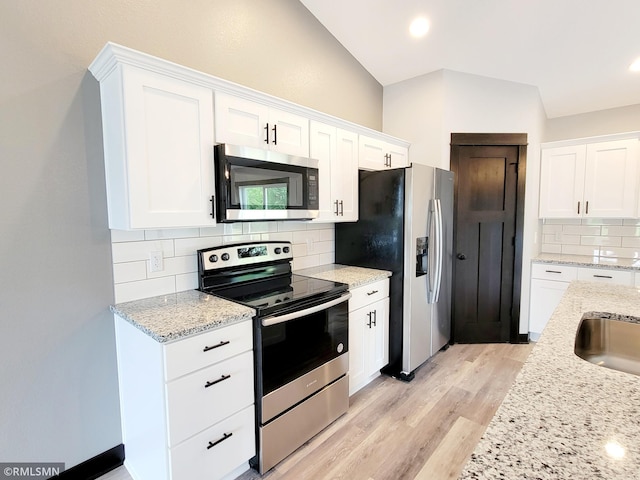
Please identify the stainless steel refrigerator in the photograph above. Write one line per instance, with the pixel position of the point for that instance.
(405, 225)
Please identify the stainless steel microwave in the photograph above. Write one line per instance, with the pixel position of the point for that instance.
(254, 184)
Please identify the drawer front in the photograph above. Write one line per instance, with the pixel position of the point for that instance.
(198, 459)
(618, 277)
(550, 271)
(369, 293)
(207, 396)
(190, 354)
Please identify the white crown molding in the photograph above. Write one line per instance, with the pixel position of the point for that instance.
(113, 55)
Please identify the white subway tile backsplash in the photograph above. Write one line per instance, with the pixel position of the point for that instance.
(132, 251)
(607, 238)
(620, 252)
(175, 266)
(632, 242)
(581, 230)
(580, 250)
(624, 231)
(126, 235)
(125, 292)
(186, 281)
(549, 248)
(129, 271)
(189, 246)
(313, 245)
(171, 233)
(600, 240)
(601, 221)
(562, 221)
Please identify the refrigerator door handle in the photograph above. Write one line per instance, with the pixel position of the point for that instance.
(439, 241)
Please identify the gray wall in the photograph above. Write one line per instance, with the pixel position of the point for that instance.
(59, 396)
(603, 122)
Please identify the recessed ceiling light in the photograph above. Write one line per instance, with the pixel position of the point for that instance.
(635, 66)
(419, 27)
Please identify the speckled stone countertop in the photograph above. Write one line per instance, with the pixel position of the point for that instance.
(352, 276)
(588, 261)
(178, 315)
(562, 411)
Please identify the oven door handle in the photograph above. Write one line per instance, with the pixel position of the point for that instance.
(273, 320)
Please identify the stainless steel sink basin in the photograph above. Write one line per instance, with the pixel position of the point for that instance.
(609, 343)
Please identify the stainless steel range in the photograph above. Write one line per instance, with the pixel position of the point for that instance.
(300, 341)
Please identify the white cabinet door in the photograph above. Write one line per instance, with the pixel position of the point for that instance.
(368, 334)
(379, 339)
(323, 145)
(240, 121)
(243, 122)
(562, 173)
(545, 297)
(376, 154)
(611, 179)
(337, 152)
(289, 133)
(344, 182)
(598, 180)
(158, 135)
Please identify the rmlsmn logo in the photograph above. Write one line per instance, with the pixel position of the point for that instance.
(30, 470)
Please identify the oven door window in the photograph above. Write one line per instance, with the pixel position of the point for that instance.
(266, 188)
(291, 349)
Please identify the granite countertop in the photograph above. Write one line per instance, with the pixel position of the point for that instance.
(562, 411)
(172, 317)
(588, 261)
(352, 276)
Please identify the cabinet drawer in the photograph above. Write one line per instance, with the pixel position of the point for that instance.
(618, 277)
(550, 271)
(369, 293)
(185, 356)
(197, 459)
(193, 406)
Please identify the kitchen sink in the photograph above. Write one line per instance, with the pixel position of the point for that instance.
(610, 342)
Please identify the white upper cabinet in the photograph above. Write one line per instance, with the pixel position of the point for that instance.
(158, 148)
(598, 180)
(243, 122)
(376, 154)
(337, 152)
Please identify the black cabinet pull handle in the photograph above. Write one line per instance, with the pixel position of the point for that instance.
(375, 318)
(578, 208)
(336, 204)
(586, 210)
(552, 271)
(341, 208)
(221, 379)
(275, 134)
(221, 344)
(213, 206)
(213, 444)
(266, 129)
(369, 322)
(372, 292)
(603, 276)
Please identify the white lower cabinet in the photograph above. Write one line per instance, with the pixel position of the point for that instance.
(549, 282)
(368, 333)
(187, 407)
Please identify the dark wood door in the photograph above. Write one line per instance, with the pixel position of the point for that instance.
(485, 241)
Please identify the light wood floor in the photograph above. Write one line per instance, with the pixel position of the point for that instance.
(422, 430)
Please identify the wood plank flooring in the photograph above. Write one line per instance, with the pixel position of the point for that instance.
(422, 430)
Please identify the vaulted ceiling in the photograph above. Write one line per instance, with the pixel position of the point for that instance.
(577, 52)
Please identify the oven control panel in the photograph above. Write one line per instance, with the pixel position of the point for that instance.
(241, 254)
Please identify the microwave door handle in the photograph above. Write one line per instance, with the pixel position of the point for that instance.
(275, 319)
